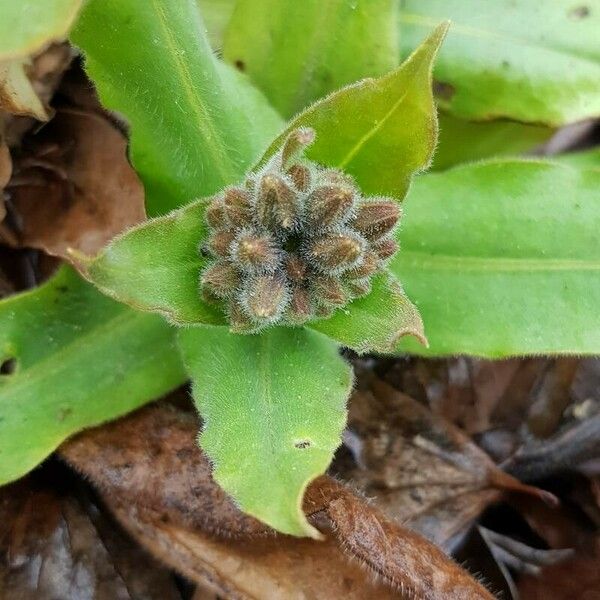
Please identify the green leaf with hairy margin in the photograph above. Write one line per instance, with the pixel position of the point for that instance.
(156, 267)
(79, 360)
(375, 322)
(27, 26)
(462, 141)
(196, 124)
(380, 131)
(529, 60)
(584, 159)
(503, 258)
(274, 408)
(297, 52)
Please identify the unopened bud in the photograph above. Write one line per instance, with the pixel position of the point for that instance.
(366, 268)
(215, 213)
(238, 207)
(300, 176)
(385, 248)
(220, 279)
(220, 242)
(265, 297)
(328, 290)
(277, 204)
(299, 310)
(360, 287)
(240, 322)
(295, 268)
(295, 144)
(376, 219)
(329, 205)
(255, 252)
(336, 252)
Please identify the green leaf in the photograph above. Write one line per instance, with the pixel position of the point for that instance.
(297, 52)
(463, 141)
(195, 124)
(533, 61)
(379, 130)
(274, 408)
(79, 359)
(216, 15)
(502, 259)
(376, 322)
(585, 159)
(27, 26)
(156, 267)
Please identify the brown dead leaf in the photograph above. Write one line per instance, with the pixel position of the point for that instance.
(50, 548)
(5, 173)
(151, 472)
(421, 470)
(73, 186)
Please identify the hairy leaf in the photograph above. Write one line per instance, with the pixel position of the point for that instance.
(502, 258)
(29, 25)
(274, 408)
(196, 124)
(584, 159)
(380, 131)
(297, 52)
(71, 359)
(529, 60)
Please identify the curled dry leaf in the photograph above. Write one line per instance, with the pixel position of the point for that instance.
(73, 187)
(156, 479)
(421, 470)
(51, 547)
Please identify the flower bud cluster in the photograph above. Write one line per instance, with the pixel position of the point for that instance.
(294, 242)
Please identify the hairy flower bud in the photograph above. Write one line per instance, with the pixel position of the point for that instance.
(277, 204)
(376, 218)
(293, 242)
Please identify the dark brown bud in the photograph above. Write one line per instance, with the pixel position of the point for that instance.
(215, 213)
(265, 297)
(255, 252)
(300, 310)
(328, 290)
(295, 144)
(220, 280)
(369, 265)
(377, 218)
(295, 268)
(300, 176)
(336, 252)
(324, 310)
(277, 204)
(238, 207)
(359, 287)
(385, 248)
(240, 322)
(329, 205)
(220, 242)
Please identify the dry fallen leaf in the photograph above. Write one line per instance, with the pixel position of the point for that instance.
(72, 185)
(421, 470)
(151, 472)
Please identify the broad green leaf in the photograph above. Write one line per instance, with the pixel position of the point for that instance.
(462, 141)
(79, 359)
(156, 267)
(376, 322)
(26, 26)
(381, 131)
(503, 258)
(195, 123)
(529, 60)
(584, 159)
(216, 15)
(274, 408)
(297, 52)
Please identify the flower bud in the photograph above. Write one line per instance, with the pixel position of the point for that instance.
(255, 252)
(336, 252)
(375, 219)
(295, 144)
(221, 280)
(369, 265)
(240, 322)
(215, 213)
(359, 287)
(295, 268)
(277, 203)
(328, 290)
(219, 242)
(329, 205)
(238, 207)
(300, 176)
(385, 248)
(265, 297)
(299, 310)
